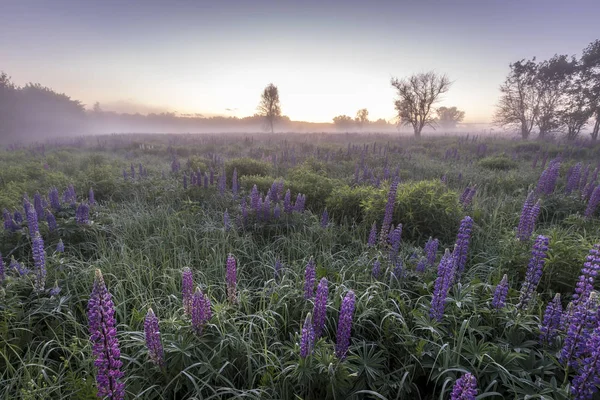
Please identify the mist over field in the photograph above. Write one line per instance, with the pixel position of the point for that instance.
(300, 200)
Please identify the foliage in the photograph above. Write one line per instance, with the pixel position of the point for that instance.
(501, 163)
(247, 166)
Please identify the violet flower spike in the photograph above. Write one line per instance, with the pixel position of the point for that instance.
(320, 307)
(465, 388)
(345, 325)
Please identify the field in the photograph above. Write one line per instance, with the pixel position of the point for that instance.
(335, 290)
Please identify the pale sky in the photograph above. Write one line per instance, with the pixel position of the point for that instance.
(327, 57)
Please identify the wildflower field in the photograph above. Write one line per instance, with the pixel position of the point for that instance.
(299, 266)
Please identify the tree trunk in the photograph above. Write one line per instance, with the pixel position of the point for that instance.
(417, 131)
(596, 127)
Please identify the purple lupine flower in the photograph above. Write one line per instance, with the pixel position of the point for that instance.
(465, 388)
(464, 195)
(258, 209)
(398, 270)
(551, 323)
(585, 383)
(431, 248)
(39, 261)
(534, 271)
(226, 220)
(187, 289)
(310, 276)
(591, 268)
(32, 221)
(54, 199)
(234, 183)
(9, 223)
(445, 276)
(2, 270)
(462, 245)
(592, 203)
(389, 210)
(324, 219)
(201, 311)
(105, 345)
(254, 198)
(205, 180)
(277, 212)
(299, 204)
(91, 198)
(307, 339)
(422, 265)
(584, 177)
(582, 321)
(372, 236)
(573, 178)
(60, 247)
(548, 178)
(287, 202)
(55, 291)
(39, 208)
(277, 269)
(395, 240)
(222, 183)
(499, 300)
(231, 278)
(153, 342)
(320, 308)
(51, 221)
(18, 217)
(82, 215)
(266, 208)
(17, 267)
(345, 325)
(469, 197)
(376, 270)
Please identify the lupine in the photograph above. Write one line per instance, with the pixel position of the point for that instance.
(9, 223)
(222, 183)
(254, 198)
(277, 269)
(582, 321)
(277, 212)
(548, 178)
(310, 276)
(266, 208)
(462, 245)
(389, 210)
(299, 204)
(51, 221)
(60, 246)
(201, 311)
(54, 199)
(443, 282)
(234, 183)
(324, 219)
(591, 268)
(534, 271)
(307, 339)
(573, 178)
(431, 248)
(372, 235)
(105, 345)
(592, 203)
(395, 239)
(469, 197)
(55, 290)
(91, 198)
(345, 325)
(422, 265)
(551, 322)
(17, 267)
(187, 289)
(320, 308)
(287, 202)
(82, 215)
(226, 220)
(499, 300)
(153, 342)
(398, 269)
(32, 221)
(465, 388)
(18, 217)
(39, 208)
(39, 261)
(376, 271)
(231, 278)
(585, 383)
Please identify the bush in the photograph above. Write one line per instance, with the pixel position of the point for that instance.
(316, 187)
(348, 202)
(246, 166)
(198, 163)
(501, 163)
(263, 183)
(425, 208)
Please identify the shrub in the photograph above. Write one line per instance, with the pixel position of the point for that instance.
(348, 202)
(501, 163)
(263, 183)
(316, 187)
(198, 163)
(246, 166)
(425, 208)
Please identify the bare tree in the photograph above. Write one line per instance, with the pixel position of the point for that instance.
(553, 82)
(590, 63)
(269, 106)
(520, 98)
(416, 96)
(362, 117)
(449, 117)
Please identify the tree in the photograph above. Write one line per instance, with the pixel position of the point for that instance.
(269, 106)
(590, 64)
(416, 96)
(520, 98)
(97, 109)
(7, 104)
(362, 117)
(553, 81)
(449, 117)
(578, 109)
(343, 122)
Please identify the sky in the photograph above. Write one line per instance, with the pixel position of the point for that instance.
(327, 57)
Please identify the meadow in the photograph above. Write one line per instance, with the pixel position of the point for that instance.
(299, 266)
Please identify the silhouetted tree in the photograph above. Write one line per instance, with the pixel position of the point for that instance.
(343, 122)
(578, 109)
(7, 105)
(97, 109)
(449, 117)
(269, 106)
(520, 98)
(590, 64)
(416, 96)
(362, 117)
